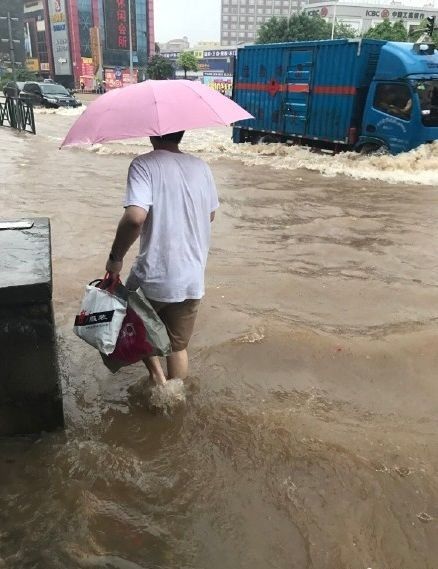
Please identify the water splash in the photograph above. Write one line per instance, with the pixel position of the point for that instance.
(168, 397)
(66, 112)
(419, 166)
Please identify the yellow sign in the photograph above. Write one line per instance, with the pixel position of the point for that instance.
(33, 64)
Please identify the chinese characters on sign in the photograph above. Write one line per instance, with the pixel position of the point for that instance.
(220, 83)
(117, 24)
(220, 53)
(395, 15)
(119, 77)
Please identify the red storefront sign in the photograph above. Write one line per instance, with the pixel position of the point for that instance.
(117, 24)
(116, 78)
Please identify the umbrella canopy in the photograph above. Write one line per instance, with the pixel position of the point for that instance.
(153, 108)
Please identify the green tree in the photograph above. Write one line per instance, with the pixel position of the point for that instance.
(160, 68)
(344, 31)
(188, 62)
(415, 33)
(301, 27)
(387, 31)
(22, 75)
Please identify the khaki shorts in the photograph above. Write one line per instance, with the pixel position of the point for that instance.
(179, 319)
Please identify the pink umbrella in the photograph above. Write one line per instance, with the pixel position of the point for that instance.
(153, 108)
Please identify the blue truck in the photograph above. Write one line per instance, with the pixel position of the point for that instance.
(364, 95)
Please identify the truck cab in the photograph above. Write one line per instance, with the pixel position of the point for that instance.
(401, 110)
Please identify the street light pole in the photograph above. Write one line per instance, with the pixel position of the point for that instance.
(131, 63)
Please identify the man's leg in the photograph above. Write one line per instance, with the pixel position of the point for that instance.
(178, 365)
(156, 371)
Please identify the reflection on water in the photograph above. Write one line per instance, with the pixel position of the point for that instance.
(308, 439)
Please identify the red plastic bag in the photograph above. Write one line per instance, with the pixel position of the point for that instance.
(132, 344)
(142, 334)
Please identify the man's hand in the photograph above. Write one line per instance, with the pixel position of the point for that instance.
(114, 267)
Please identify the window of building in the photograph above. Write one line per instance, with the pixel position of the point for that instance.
(234, 18)
(225, 18)
(241, 34)
(393, 99)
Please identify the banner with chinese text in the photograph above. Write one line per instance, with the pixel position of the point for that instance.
(117, 24)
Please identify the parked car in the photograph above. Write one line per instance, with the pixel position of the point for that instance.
(13, 88)
(50, 95)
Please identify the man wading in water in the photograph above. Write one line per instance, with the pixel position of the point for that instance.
(170, 202)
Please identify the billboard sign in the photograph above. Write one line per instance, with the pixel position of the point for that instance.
(117, 25)
(220, 53)
(219, 83)
(33, 64)
(225, 66)
(59, 33)
(119, 77)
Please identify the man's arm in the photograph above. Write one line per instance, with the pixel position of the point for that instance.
(128, 230)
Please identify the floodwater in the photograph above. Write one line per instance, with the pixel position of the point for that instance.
(309, 437)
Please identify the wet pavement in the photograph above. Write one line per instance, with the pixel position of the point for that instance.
(309, 437)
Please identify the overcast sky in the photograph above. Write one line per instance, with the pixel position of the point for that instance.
(199, 20)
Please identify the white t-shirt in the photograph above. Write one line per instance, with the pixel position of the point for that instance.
(179, 193)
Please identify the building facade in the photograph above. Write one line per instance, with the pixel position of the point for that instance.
(37, 38)
(80, 41)
(177, 44)
(215, 67)
(100, 43)
(15, 9)
(362, 16)
(241, 19)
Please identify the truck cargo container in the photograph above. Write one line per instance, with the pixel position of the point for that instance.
(339, 94)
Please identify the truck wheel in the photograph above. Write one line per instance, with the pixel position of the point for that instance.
(268, 139)
(373, 148)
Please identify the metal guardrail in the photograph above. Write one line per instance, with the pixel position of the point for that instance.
(17, 114)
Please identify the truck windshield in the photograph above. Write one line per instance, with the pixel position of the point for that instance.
(428, 95)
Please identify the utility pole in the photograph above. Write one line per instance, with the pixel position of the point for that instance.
(11, 42)
(334, 19)
(131, 63)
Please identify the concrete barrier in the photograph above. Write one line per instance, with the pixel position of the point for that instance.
(30, 392)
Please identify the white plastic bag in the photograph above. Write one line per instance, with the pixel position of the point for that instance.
(101, 316)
